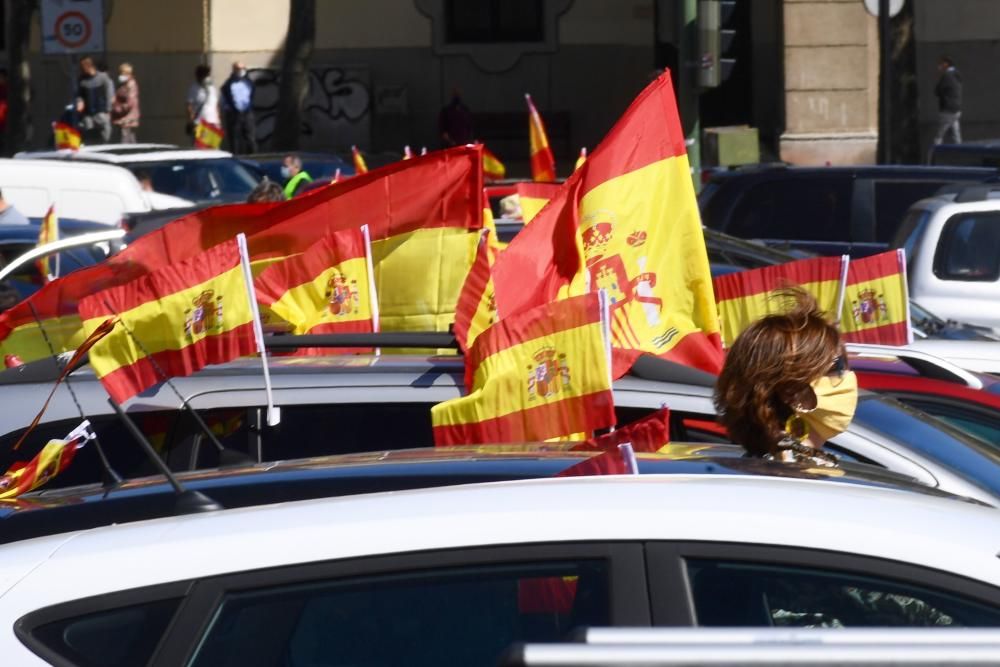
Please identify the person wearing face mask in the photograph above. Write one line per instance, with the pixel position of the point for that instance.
(202, 100)
(295, 176)
(125, 108)
(785, 388)
(237, 108)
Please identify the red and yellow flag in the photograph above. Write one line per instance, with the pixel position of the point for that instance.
(476, 309)
(359, 161)
(66, 136)
(626, 222)
(53, 458)
(581, 158)
(876, 302)
(48, 266)
(207, 135)
(326, 289)
(746, 296)
(171, 322)
(431, 204)
(533, 376)
(543, 163)
(533, 198)
(649, 434)
(493, 168)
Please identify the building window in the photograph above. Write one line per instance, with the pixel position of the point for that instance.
(485, 21)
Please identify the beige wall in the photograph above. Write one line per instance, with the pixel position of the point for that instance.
(240, 26)
(831, 82)
(152, 26)
(602, 22)
(343, 24)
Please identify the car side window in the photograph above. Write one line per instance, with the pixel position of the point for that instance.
(980, 423)
(893, 199)
(969, 248)
(119, 637)
(795, 209)
(732, 593)
(459, 616)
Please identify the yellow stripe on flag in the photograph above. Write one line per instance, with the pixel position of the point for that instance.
(530, 206)
(736, 314)
(309, 304)
(28, 341)
(418, 276)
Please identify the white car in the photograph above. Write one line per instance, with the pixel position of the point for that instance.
(454, 575)
(200, 176)
(85, 191)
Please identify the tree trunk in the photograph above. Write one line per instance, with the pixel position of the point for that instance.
(905, 112)
(18, 134)
(294, 83)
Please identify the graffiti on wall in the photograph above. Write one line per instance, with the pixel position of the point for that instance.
(337, 110)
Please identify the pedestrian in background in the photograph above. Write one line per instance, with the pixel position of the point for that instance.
(297, 177)
(125, 109)
(455, 122)
(949, 94)
(94, 94)
(202, 100)
(237, 109)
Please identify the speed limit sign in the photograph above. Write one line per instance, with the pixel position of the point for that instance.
(72, 26)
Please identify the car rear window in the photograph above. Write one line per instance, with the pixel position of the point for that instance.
(795, 209)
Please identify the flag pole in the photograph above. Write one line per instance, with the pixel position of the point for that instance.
(602, 299)
(845, 262)
(901, 259)
(372, 294)
(628, 457)
(273, 413)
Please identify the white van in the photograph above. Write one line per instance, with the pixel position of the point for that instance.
(81, 190)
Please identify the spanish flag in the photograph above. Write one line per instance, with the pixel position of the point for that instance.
(493, 168)
(326, 289)
(207, 135)
(626, 222)
(543, 163)
(533, 376)
(581, 158)
(172, 322)
(53, 458)
(876, 302)
(534, 197)
(434, 201)
(48, 233)
(746, 296)
(66, 136)
(648, 434)
(476, 310)
(359, 161)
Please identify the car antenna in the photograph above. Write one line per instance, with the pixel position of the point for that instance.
(227, 457)
(188, 501)
(109, 476)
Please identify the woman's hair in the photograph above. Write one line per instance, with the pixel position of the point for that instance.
(266, 190)
(776, 356)
(202, 71)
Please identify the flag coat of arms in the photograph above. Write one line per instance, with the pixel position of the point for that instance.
(626, 222)
(172, 322)
(746, 296)
(543, 163)
(533, 376)
(207, 135)
(326, 289)
(876, 301)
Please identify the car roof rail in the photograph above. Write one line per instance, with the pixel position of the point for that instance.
(927, 365)
(973, 193)
(402, 339)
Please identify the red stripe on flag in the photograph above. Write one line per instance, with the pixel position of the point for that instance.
(696, 349)
(554, 419)
(237, 342)
(888, 334)
(769, 278)
(878, 266)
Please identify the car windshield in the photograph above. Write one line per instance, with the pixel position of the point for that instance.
(910, 231)
(213, 181)
(970, 457)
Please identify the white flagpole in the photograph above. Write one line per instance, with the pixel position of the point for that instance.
(372, 294)
(602, 297)
(845, 263)
(901, 258)
(58, 262)
(273, 413)
(628, 456)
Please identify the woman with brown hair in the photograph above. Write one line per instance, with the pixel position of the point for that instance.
(785, 389)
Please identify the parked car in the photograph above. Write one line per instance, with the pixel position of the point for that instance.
(84, 191)
(321, 166)
(344, 404)
(196, 175)
(982, 153)
(952, 244)
(827, 210)
(65, 255)
(454, 575)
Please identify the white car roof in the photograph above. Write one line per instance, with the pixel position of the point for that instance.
(884, 523)
(127, 154)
